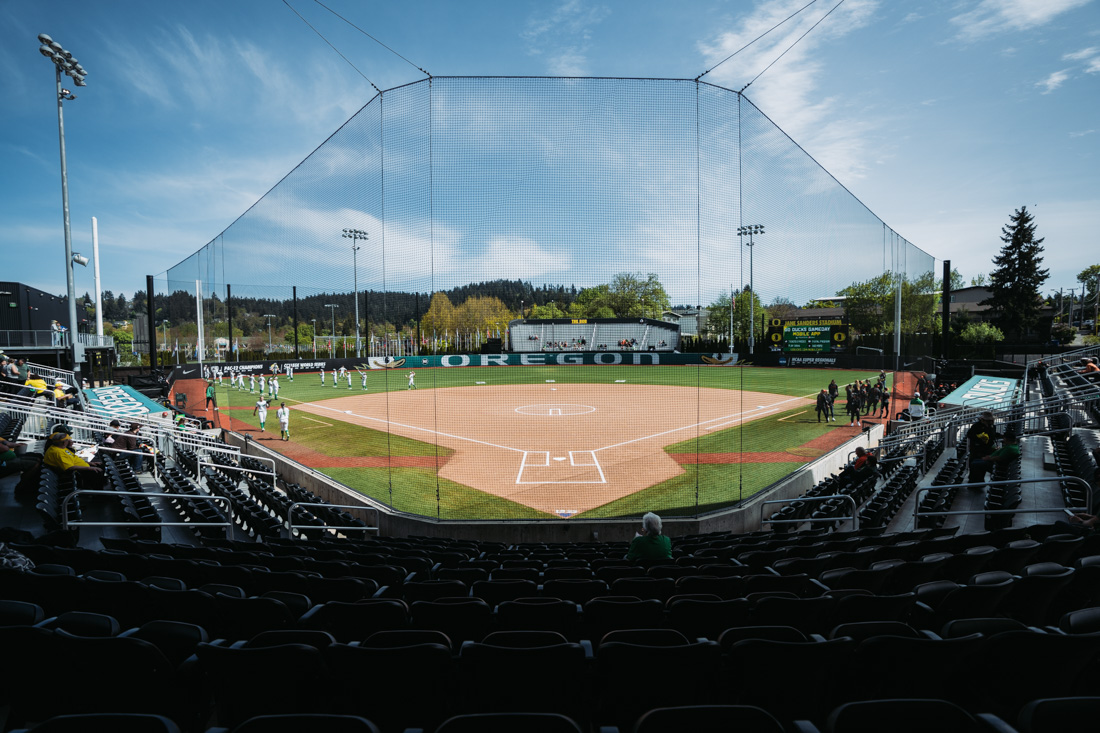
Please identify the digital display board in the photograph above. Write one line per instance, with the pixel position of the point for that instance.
(814, 335)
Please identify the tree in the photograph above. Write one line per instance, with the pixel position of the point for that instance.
(1014, 284)
(981, 332)
(440, 316)
(781, 308)
(542, 312)
(718, 322)
(979, 281)
(632, 295)
(486, 315)
(869, 305)
(1090, 279)
(305, 335)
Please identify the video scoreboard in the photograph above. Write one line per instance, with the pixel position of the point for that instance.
(807, 335)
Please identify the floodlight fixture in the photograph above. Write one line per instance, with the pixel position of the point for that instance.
(355, 235)
(749, 230)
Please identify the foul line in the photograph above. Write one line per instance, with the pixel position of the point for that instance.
(738, 417)
(414, 427)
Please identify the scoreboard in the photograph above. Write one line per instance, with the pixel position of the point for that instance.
(808, 335)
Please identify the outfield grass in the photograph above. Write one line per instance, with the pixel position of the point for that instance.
(700, 488)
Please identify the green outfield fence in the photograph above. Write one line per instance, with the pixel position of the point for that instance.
(576, 197)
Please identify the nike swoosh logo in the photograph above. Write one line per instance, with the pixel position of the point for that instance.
(189, 371)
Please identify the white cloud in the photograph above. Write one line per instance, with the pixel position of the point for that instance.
(1052, 82)
(788, 92)
(563, 35)
(1083, 54)
(1082, 133)
(998, 16)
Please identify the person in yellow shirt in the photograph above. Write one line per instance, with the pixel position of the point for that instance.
(61, 457)
(61, 397)
(34, 387)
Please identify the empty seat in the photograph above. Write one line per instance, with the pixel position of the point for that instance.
(907, 716)
(704, 718)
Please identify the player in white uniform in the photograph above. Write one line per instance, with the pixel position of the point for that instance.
(412, 380)
(263, 384)
(260, 410)
(290, 372)
(251, 383)
(283, 413)
(322, 376)
(335, 378)
(348, 375)
(363, 372)
(274, 388)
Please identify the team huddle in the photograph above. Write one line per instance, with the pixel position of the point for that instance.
(862, 399)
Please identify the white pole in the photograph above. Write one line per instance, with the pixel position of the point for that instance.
(200, 343)
(98, 289)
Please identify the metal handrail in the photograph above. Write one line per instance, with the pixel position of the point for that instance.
(917, 513)
(143, 454)
(295, 505)
(65, 523)
(854, 517)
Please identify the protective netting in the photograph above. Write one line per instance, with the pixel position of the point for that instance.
(477, 200)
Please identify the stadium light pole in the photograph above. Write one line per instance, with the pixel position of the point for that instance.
(269, 316)
(314, 322)
(749, 231)
(355, 235)
(165, 329)
(333, 306)
(65, 63)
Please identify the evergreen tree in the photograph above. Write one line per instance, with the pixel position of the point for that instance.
(1015, 281)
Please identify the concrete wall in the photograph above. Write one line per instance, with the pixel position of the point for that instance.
(745, 518)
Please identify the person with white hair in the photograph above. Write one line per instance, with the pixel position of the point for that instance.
(650, 544)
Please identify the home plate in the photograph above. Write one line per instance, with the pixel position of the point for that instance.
(559, 459)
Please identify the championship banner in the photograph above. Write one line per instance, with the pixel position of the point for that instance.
(813, 335)
(121, 401)
(982, 391)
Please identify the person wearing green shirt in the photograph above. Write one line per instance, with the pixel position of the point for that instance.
(651, 544)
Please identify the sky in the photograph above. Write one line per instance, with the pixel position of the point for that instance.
(942, 117)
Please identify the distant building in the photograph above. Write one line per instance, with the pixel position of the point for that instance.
(692, 321)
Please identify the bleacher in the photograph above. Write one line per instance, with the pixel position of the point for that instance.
(257, 619)
(605, 334)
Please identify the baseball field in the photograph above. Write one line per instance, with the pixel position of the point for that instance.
(552, 441)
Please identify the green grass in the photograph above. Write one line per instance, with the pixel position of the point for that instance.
(415, 489)
(337, 438)
(719, 485)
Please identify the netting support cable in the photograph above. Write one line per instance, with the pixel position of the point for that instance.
(698, 294)
(321, 36)
(368, 35)
(815, 25)
(755, 40)
(431, 261)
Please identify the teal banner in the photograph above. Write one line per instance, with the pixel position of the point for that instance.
(553, 358)
(121, 401)
(982, 391)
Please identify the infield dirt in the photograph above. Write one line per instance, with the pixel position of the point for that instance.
(556, 447)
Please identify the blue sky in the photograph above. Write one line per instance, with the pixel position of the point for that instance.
(942, 117)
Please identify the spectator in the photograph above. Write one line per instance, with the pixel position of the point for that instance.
(62, 397)
(980, 439)
(916, 407)
(1090, 366)
(14, 460)
(34, 387)
(650, 544)
(823, 405)
(61, 457)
